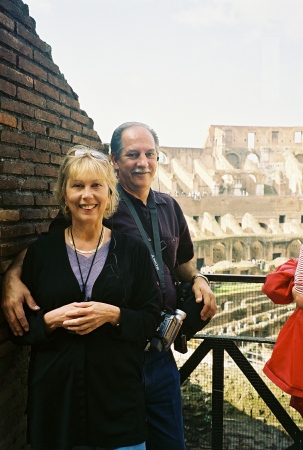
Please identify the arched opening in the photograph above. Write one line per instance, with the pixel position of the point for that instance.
(256, 250)
(237, 251)
(218, 253)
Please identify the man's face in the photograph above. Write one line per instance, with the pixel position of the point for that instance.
(137, 163)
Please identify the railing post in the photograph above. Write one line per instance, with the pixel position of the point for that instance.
(217, 397)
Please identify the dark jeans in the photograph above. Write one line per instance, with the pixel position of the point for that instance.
(163, 402)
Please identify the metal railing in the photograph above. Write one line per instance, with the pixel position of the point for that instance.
(224, 343)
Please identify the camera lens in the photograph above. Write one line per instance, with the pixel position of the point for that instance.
(181, 314)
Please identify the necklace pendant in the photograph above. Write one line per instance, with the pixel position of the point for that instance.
(84, 297)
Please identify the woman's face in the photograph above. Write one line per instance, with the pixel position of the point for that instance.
(87, 198)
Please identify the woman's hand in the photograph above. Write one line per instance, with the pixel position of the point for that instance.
(85, 317)
(55, 318)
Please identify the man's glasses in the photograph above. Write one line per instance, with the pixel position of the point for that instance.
(81, 152)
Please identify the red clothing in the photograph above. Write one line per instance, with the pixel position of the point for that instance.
(285, 367)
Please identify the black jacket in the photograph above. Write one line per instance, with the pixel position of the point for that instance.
(87, 390)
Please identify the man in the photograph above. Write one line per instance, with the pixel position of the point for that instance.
(134, 153)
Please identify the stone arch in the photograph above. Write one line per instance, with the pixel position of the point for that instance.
(219, 252)
(256, 250)
(294, 249)
(234, 160)
(163, 159)
(253, 158)
(237, 251)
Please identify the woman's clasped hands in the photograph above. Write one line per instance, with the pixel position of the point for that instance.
(81, 318)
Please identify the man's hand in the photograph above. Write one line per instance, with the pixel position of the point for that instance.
(201, 289)
(14, 295)
(203, 292)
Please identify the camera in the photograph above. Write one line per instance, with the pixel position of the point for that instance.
(167, 331)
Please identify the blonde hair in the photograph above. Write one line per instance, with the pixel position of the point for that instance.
(74, 166)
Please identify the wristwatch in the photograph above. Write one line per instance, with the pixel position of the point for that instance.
(199, 275)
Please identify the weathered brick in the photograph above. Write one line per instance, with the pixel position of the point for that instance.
(33, 155)
(56, 159)
(82, 140)
(65, 148)
(58, 108)
(66, 100)
(30, 97)
(9, 215)
(46, 62)
(32, 68)
(106, 148)
(8, 183)
(29, 214)
(59, 82)
(19, 124)
(34, 127)
(45, 200)
(14, 75)
(32, 38)
(7, 119)
(8, 151)
(46, 145)
(31, 185)
(15, 43)
(46, 171)
(17, 138)
(7, 22)
(42, 228)
(80, 117)
(70, 125)
(53, 213)
(90, 132)
(19, 13)
(13, 167)
(46, 89)
(52, 186)
(59, 134)
(16, 230)
(13, 248)
(16, 199)
(8, 88)
(21, 108)
(8, 55)
(47, 117)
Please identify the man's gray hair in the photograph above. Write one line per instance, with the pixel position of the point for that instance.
(116, 143)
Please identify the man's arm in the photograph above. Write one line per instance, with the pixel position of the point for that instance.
(201, 289)
(14, 294)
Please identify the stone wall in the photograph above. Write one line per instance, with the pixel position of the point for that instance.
(40, 118)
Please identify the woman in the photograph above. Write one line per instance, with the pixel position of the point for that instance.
(99, 305)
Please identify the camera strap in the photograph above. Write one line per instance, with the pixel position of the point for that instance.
(156, 255)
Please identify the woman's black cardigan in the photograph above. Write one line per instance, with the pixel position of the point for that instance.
(87, 390)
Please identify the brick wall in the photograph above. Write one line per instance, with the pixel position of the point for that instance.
(40, 118)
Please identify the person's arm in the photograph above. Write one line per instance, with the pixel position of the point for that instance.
(14, 295)
(298, 298)
(201, 289)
